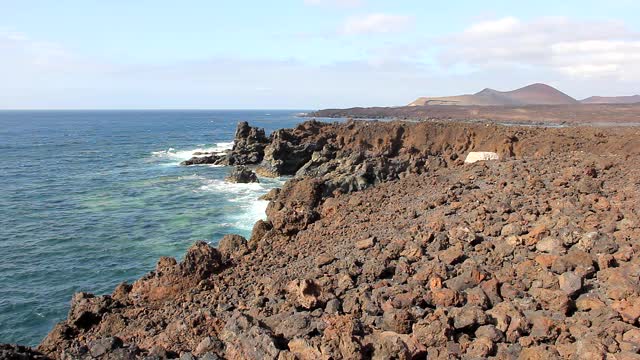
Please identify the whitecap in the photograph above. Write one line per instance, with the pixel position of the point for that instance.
(242, 197)
(224, 145)
(202, 150)
(238, 189)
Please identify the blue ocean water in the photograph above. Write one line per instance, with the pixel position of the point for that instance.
(92, 198)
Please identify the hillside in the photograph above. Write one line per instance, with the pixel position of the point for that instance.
(612, 100)
(535, 94)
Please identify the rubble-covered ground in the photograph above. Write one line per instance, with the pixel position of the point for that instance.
(385, 245)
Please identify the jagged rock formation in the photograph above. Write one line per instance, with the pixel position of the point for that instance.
(385, 245)
(242, 175)
(211, 159)
(248, 149)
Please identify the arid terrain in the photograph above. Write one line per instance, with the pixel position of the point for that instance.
(534, 94)
(580, 114)
(386, 245)
(612, 100)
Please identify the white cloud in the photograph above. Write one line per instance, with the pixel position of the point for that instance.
(493, 27)
(581, 58)
(49, 76)
(574, 48)
(339, 3)
(376, 23)
(25, 57)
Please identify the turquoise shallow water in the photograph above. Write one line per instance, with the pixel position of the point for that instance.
(92, 198)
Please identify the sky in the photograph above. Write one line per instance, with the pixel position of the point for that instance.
(307, 54)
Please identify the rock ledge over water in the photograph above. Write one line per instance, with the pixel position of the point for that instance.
(385, 245)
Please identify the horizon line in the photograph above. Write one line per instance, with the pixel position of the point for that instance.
(161, 109)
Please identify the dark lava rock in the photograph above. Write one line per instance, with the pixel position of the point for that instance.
(246, 338)
(17, 352)
(242, 175)
(248, 147)
(214, 159)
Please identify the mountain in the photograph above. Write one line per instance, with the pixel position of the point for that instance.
(535, 94)
(612, 100)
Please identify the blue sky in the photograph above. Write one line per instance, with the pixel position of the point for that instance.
(307, 53)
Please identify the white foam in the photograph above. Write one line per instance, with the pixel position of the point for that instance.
(181, 155)
(225, 145)
(231, 188)
(244, 198)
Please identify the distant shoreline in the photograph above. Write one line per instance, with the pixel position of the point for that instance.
(579, 114)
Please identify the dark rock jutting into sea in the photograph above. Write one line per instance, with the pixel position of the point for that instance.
(386, 245)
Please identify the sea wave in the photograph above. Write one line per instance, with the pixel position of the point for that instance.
(174, 154)
(243, 197)
(241, 190)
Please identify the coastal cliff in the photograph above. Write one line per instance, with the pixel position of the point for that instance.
(385, 245)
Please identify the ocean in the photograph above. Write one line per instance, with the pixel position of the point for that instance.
(89, 199)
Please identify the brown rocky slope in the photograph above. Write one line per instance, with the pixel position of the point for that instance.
(580, 114)
(386, 246)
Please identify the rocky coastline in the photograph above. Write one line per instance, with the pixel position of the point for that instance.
(385, 244)
(603, 115)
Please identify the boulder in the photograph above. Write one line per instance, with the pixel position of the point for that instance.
(212, 159)
(304, 350)
(296, 205)
(570, 283)
(242, 175)
(232, 245)
(398, 321)
(171, 279)
(87, 309)
(304, 293)
(246, 338)
(341, 338)
(366, 243)
(102, 346)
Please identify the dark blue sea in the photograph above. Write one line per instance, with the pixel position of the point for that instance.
(92, 198)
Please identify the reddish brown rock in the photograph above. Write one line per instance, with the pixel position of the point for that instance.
(629, 309)
(305, 293)
(391, 247)
(172, 279)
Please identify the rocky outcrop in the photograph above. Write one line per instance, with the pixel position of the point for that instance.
(385, 245)
(290, 149)
(248, 149)
(248, 146)
(211, 159)
(171, 279)
(296, 205)
(242, 175)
